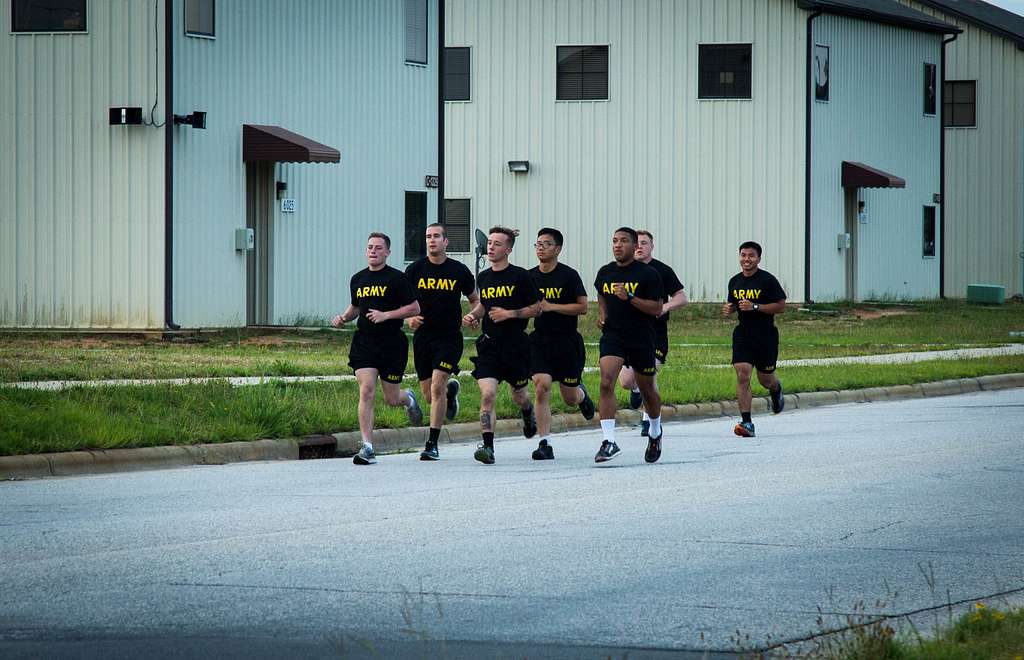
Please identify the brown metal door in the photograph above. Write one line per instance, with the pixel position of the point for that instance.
(259, 275)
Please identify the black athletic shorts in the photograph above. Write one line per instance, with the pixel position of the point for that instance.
(661, 348)
(388, 354)
(761, 350)
(637, 351)
(441, 352)
(560, 356)
(505, 359)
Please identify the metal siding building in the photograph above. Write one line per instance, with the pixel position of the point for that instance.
(984, 203)
(702, 175)
(875, 115)
(81, 227)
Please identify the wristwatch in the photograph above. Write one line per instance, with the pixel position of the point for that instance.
(755, 307)
(629, 296)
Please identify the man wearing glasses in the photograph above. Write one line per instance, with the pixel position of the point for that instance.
(557, 353)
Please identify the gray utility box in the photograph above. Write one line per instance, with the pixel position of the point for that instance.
(989, 294)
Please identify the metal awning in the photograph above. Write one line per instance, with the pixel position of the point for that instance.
(859, 175)
(278, 145)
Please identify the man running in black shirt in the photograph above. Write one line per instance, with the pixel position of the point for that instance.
(629, 296)
(557, 353)
(674, 298)
(757, 296)
(440, 283)
(381, 298)
(508, 299)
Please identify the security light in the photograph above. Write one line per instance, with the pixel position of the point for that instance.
(196, 120)
(518, 166)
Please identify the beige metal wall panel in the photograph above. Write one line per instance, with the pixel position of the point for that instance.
(81, 229)
(985, 164)
(702, 175)
(334, 72)
(875, 116)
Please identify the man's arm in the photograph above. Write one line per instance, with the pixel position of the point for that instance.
(677, 300)
(777, 307)
(602, 310)
(499, 314)
(652, 307)
(578, 308)
(341, 319)
(472, 319)
(405, 311)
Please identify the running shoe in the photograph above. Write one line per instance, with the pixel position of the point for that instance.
(452, 394)
(778, 400)
(645, 428)
(607, 452)
(744, 429)
(413, 409)
(430, 452)
(365, 456)
(653, 452)
(484, 454)
(587, 408)
(529, 423)
(543, 452)
(635, 399)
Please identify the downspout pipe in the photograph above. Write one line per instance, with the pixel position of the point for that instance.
(440, 111)
(808, 86)
(942, 177)
(169, 167)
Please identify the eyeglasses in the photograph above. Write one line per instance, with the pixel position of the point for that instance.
(544, 245)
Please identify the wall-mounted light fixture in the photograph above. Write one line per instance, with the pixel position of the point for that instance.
(196, 120)
(518, 166)
(281, 187)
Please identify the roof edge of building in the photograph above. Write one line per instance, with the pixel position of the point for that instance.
(899, 15)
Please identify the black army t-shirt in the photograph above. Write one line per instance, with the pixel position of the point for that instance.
(562, 286)
(621, 316)
(384, 290)
(670, 285)
(761, 288)
(509, 288)
(439, 288)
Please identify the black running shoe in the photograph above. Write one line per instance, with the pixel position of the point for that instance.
(778, 400)
(543, 452)
(452, 394)
(365, 456)
(645, 428)
(484, 454)
(529, 423)
(635, 399)
(653, 452)
(587, 408)
(430, 452)
(607, 452)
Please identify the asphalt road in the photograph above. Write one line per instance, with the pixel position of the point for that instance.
(874, 508)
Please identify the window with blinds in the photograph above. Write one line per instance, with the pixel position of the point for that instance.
(199, 18)
(929, 89)
(582, 73)
(415, 225)
(416, 31)
(457, 224)
(724, 71)
(456, 74)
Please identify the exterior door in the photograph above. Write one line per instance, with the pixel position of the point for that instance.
(259, 275)
(850, 252)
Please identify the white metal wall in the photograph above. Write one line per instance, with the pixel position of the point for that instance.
(336, 73)
(702, 175)
(81, 225)
(875, 116)
(985, 164)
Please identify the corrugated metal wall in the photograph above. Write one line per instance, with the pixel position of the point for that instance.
(702, 175)
(985, 165)
(336, 73)
(81, 226)
(876, 117)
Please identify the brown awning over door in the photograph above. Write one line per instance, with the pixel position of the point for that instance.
(277, 145)
(859, 175)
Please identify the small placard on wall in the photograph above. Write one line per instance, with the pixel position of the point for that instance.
(431, 181)
(288, 205)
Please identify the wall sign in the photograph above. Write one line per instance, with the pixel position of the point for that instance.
(288, 205)
(432, 181)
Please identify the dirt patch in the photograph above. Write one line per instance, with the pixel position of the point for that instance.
(868, 314)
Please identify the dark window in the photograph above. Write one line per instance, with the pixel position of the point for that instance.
(415, 225)
(929, 89)
(416, 32)
(724, 71)
(958, 103)
(582, 73)
(456, 74)
(821, 73)
(456, 224)
(48, 16)
(199, 17)
(928, 232)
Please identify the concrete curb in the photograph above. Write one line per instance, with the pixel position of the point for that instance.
(412, 439)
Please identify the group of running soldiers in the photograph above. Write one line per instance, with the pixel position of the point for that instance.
(635, 294)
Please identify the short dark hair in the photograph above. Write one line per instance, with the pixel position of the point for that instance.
(444, 232)
(511, 233)
(644, 232)
(751, 245)
(553, 233)
(377, 234)
(627, 230)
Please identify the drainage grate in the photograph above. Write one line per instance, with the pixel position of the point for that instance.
(317, 446)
